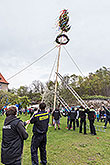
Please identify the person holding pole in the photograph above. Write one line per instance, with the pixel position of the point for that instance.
(13, 135)
(39, 138)
(82, 116)
(107, 110)
(57, 116)
(72, 118)
(91, 117)
(77, 117)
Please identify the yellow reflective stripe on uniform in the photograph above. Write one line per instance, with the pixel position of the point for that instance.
(81, 109)
(41, 114)
(43, 117)
(91, 109)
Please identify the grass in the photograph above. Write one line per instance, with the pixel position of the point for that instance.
(69, 147)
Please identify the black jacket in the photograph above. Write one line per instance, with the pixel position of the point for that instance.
(12, 139)
(56, 114)
(107, 112)
(91, 114)
(82, 113)
(40, 121)
(72, 114)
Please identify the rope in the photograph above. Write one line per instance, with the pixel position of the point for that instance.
(79, 69)
(49, 78)
(74, 62)
(31, 63)
(52, 68)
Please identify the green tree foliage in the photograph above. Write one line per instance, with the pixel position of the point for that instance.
(24, 101)
(94, 85)
(33, 92)
(48, 95)
(22, 91)
(97, 83)
(7, 98)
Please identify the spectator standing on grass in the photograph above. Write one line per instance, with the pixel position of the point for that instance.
(31, 112)
(77, 117)
(101, 115)
(39, 139)
(91, 117)
(57, 116)
(13, 135)
(68, 120)
(0, 111)
(72, 118)
(97, 115)
(107, 119)
(82, 116)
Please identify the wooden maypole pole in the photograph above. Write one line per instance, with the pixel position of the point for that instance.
(61, 39)
(59, 52)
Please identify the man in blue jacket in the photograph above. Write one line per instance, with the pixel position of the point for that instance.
(39, 138)
(14, 134)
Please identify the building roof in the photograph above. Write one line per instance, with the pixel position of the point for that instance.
(2, 79)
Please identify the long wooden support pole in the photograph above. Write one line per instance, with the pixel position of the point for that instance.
(57, 77)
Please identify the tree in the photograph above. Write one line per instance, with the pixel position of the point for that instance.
(37, 87)
(24, 101)
(22, 91)
(48, 95)
(7, 98)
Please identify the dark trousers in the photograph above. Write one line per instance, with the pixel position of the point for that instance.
(38, 141)
(72, 121)
(106, 121)
(81, 122)
(17, 162)
(77, 122)
(68, 120)
(92, 127)
(97, 119)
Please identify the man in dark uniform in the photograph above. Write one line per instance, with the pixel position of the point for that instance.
(101, 115)
(39, 139)
(57, 116)
(82, 116)
(13, 136)
(91, 117)
(77, 117)
(72, 118)
(107, 110)
(68, 119)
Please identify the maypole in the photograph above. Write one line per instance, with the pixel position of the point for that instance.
(62, 39)
(57, 76)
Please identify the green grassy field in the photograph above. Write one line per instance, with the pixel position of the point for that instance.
(69, 147)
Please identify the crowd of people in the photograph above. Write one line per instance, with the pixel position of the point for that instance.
(20, 111)
(14, 132)
(73, 117)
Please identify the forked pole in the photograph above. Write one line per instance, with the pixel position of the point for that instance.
(62, 39)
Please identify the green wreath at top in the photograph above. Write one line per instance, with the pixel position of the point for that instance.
(60, 41)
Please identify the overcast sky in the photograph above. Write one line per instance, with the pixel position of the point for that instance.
(28, 30)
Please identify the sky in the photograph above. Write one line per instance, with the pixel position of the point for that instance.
(28, 31)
